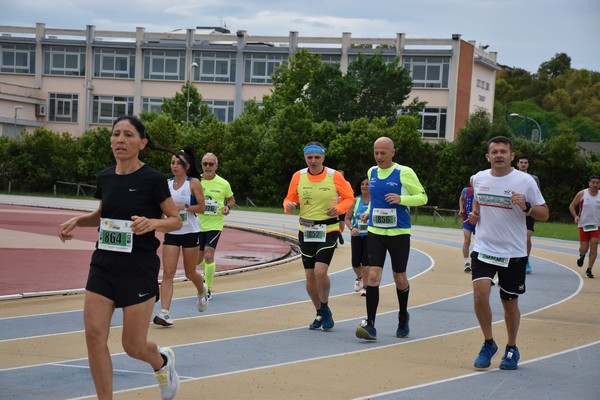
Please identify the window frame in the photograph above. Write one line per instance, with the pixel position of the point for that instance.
(55, 55)
(437, 114)
(215, 58)
(153, 104)
(22, 57)
(118, 56)
(270, 60)
(222, 109)
(119, 105)
(427, 64)
(62, 101)
(154, 59)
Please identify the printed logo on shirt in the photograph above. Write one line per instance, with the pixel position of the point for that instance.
(132, 189)
(391, 184)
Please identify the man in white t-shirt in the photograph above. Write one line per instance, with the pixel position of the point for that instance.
(504, 196)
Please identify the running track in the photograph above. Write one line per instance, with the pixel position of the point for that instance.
(253, 341)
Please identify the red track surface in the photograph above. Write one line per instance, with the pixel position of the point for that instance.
(33, 259)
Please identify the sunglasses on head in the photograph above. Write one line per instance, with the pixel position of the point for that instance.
(208, 164)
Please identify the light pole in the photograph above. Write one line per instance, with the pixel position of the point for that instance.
(515, 115)
(17, 108)
(187, 104)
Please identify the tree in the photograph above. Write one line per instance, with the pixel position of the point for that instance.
(556, 66)
(240, 151)
(371, 88)
(177, 106)
(290, 81)
(95, 154)
(377, 89)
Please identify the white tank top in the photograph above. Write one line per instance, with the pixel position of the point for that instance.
(184, 195)
(589, 213)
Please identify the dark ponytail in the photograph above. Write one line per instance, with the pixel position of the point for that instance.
(186, 157)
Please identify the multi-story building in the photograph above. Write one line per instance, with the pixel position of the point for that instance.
(74, 80)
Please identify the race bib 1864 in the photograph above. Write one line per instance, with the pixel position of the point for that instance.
(115, 235)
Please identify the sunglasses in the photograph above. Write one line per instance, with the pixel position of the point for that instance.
(208, 164)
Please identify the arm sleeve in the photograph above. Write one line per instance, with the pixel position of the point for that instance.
(292, 195)
(416, 193)
(345, 192)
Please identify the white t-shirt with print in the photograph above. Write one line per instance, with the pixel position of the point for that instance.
(501, 230)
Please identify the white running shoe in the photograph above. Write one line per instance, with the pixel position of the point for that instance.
(202, 303)
(163, 318)
(358, 284)
(168, 380)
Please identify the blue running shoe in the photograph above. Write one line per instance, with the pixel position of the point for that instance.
(316, 324)
(528, 268)
(367, 332)
(484, 359)
(327, 321)
(403, 330)
(511, 358)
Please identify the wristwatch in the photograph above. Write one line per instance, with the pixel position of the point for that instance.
(527, 207)
(186, 206)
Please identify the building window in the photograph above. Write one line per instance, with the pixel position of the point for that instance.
(260, 67)
(428, 72)
(215, 67)
(106, 109)
(222, 109)
(63, 107)
(152, 104)
(332, 59)
(387, 59)
(114, 63)
(63, 60)
(164, 65)
(17, 59)
(433, 123)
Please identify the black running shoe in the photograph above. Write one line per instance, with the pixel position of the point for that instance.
(580, 260)
(588, 273)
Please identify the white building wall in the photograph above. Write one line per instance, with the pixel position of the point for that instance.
(31, 91)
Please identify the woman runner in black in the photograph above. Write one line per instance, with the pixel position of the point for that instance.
(124, 267)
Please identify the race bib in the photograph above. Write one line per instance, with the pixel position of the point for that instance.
(362, 227)
(184, 217)
(315, 233)
(211, 207)
(498, 261)
(115, 235)
(384, 217)
(590, 228)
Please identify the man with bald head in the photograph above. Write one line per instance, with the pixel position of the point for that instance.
(393, 188)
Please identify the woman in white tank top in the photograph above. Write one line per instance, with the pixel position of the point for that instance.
(188, 196)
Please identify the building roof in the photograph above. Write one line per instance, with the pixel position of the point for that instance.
(592, 147)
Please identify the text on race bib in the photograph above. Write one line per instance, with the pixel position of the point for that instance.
(115, 235)
(384, 217)
(212, 206)
(315, 233)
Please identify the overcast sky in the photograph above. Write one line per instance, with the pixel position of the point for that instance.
(524, 33)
